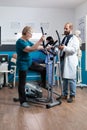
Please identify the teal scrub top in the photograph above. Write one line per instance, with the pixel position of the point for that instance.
(24, 60)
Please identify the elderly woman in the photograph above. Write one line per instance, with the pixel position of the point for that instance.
(24, 60)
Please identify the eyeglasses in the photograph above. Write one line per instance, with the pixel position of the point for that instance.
(30, 32)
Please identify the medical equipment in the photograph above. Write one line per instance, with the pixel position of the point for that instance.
(34, 93)
(4, 71)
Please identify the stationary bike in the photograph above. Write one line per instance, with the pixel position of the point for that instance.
(34, 93)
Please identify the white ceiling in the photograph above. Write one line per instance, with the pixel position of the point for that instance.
(42, 3)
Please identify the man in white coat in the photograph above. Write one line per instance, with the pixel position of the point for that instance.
(69, 62)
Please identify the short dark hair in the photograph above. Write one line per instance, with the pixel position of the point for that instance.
(49, 39)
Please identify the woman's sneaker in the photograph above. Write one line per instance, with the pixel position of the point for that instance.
(25, 104)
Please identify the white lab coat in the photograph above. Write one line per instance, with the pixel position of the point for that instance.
(71, 59)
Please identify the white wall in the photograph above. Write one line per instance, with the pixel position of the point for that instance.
(19, 17)
(80, 11)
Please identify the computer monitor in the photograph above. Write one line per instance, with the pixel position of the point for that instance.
(3, 58)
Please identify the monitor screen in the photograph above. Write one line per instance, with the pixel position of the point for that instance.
(3, 58)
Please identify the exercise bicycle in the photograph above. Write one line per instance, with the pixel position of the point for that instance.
(34, 93)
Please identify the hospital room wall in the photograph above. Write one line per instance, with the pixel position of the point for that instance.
(13, 19)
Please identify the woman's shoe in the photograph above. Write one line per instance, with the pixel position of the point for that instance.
(25, 104)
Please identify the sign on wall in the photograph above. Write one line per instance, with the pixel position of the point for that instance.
(82, 26)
